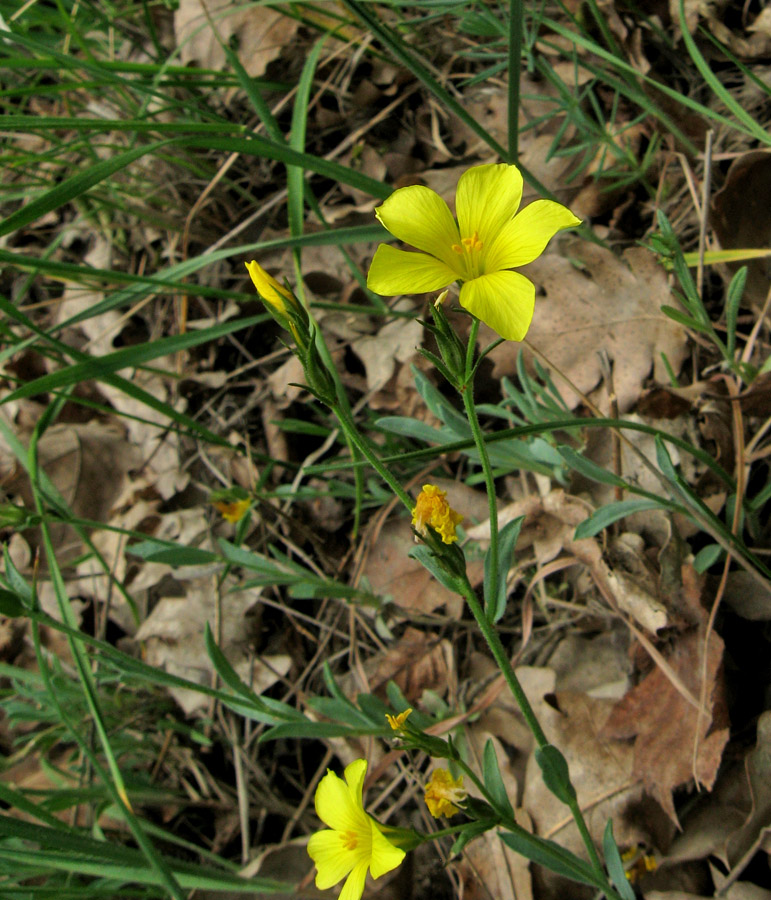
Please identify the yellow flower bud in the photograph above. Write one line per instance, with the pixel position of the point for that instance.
(269, 289)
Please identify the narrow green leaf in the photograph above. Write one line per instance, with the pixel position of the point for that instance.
(10, 605)
(556, 776)
(615, 864)
(173, 556)
(587, 468)
(427, 559)
(611, 513)
(553, 857)
(733, 299)
(706, 557)
(495, 582)
(74, 186)
(99, 367)
(494, 782)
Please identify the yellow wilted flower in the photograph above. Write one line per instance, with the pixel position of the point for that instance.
(232, 510)
(443, 792)
(354, 841)
(489, 238)
(269, 289)
(432, 509)
(397, 722)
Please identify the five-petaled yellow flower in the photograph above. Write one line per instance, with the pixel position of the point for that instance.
(432, 509)
(443, 792)
(488, 239)
(354, 842)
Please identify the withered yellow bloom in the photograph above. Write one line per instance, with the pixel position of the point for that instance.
(479, 249)
(269, 289)
(353, 842)
(232, 510)
(397, 722)
(443, 793)
(432, 509)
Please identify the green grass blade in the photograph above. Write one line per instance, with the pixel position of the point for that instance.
(73, 187)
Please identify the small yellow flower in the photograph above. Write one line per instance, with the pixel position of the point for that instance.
(232, 510)
(443, 793)
(488, 239)
(397, 722)
(354, 842)
(269, 289)
(432, 509)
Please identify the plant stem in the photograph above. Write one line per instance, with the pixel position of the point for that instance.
(504, 665)
(480, 614)
(362, 444)
(467, 392)
(515, 64)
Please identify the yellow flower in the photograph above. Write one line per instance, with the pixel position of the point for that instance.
(269, 289)
(355, 841)
(432, 509)
(397, 722)
(443, 792)
(488, 239)
(232, 510)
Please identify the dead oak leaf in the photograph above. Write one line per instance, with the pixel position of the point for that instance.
(262, 33)
(664, 724)
(594, 301)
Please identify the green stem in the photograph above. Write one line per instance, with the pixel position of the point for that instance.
(353, 434)
(485, 626)
(504, 665)
(501, 658)
(515, 63)
(467, 392)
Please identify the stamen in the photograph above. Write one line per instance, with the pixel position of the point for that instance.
(458, 249)
(350, 839)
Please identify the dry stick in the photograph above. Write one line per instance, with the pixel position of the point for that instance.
(703, 211)
(705, 525)
(738, 424)
(241, 787)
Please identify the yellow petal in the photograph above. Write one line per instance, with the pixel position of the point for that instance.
(525, 238)
(333, 861)
(354, 886)
(354, 775)
(487, 198)
(419, 217)
(336, 806)
(268, 288)
(384, 855)
(400, 272)
(503, 300)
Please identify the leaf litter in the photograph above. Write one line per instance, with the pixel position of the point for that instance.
(624, 716)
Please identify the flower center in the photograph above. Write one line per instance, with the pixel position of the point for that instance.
(350, 839)
(470, 248)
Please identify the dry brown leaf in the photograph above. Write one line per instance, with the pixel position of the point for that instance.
(664, 724)
(173, 635)
(392, 573)
(416, 662)
(395, 343)
(89, 465)
(490, 868)
(261, 31)
(741, 219)
(744, 842)
(610, 304)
